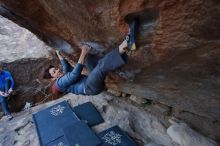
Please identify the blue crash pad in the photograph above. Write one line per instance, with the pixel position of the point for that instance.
(79, 134)
(50, 121)
(115, 137)
(88, 113)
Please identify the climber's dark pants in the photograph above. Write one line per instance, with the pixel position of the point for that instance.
(3, 101)
(94, 83)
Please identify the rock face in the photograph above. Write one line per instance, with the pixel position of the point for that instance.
(176, 26)
(184, 135)
(177, 60)
(18, 43)
(25, 56)
(29, 83)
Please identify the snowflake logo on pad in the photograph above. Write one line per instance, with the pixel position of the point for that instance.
(56, 111)
(112, 138)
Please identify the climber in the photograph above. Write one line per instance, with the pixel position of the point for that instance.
(6, 89)
(72, 81)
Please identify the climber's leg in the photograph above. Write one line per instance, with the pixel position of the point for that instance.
(95, 82)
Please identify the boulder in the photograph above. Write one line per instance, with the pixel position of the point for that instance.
(182, 134)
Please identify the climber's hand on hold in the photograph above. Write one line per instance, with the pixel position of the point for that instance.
(85, 49)
(58, 54)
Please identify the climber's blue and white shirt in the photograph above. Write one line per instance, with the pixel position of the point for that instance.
(72, 81)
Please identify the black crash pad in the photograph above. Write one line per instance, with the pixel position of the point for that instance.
(79, 134)
(88, 113)
(50, 121)
(114, 136)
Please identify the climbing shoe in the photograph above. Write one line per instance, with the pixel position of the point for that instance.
(131, 37)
